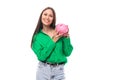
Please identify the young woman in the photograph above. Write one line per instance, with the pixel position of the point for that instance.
(50, 47)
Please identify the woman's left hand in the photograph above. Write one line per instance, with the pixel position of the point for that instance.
(66, 35)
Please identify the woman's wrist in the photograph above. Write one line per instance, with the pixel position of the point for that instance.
(54, 39)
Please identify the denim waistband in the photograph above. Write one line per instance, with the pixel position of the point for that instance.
(53, 64)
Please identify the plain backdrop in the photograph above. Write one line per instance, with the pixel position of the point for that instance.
(94, 31)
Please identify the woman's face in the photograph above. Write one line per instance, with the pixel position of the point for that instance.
(47, 17)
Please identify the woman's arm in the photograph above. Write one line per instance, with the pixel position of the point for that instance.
(42, 50)
(67, 46)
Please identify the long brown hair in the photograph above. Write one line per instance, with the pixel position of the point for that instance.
(40, 25)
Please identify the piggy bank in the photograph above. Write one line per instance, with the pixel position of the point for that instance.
(62, 29)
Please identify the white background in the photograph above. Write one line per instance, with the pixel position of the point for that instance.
(94, 30)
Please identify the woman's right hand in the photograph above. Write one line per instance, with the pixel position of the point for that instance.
(56, 36)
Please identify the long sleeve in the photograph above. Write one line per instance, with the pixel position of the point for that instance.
(67, 46)
(42, 47)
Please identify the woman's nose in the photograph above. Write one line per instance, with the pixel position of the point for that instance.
(47, 17)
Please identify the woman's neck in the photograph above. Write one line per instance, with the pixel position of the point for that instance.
(48, 31)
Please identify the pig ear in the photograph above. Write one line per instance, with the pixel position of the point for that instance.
(61, 24)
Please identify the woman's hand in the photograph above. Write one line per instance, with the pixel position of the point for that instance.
(66, 34)
(56, 36)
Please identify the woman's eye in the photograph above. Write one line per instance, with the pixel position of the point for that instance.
(51, 16)
(45, 14)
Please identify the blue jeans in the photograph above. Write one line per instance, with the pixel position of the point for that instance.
(49, 72)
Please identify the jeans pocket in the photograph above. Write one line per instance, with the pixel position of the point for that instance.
(61, 68)
(40, 65)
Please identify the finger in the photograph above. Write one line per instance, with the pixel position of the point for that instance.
(60, 35)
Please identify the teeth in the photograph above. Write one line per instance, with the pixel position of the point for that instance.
(46, 21)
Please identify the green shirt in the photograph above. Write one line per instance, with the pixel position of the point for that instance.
(43, 46)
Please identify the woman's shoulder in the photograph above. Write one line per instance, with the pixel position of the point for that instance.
(38, 35)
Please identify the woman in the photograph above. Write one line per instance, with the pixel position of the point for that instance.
(50, 47)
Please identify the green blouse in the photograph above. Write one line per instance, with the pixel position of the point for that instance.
(43, 46)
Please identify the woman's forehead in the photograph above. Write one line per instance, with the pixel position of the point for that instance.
(48, 10)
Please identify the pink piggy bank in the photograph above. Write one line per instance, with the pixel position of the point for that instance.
(62, 29)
